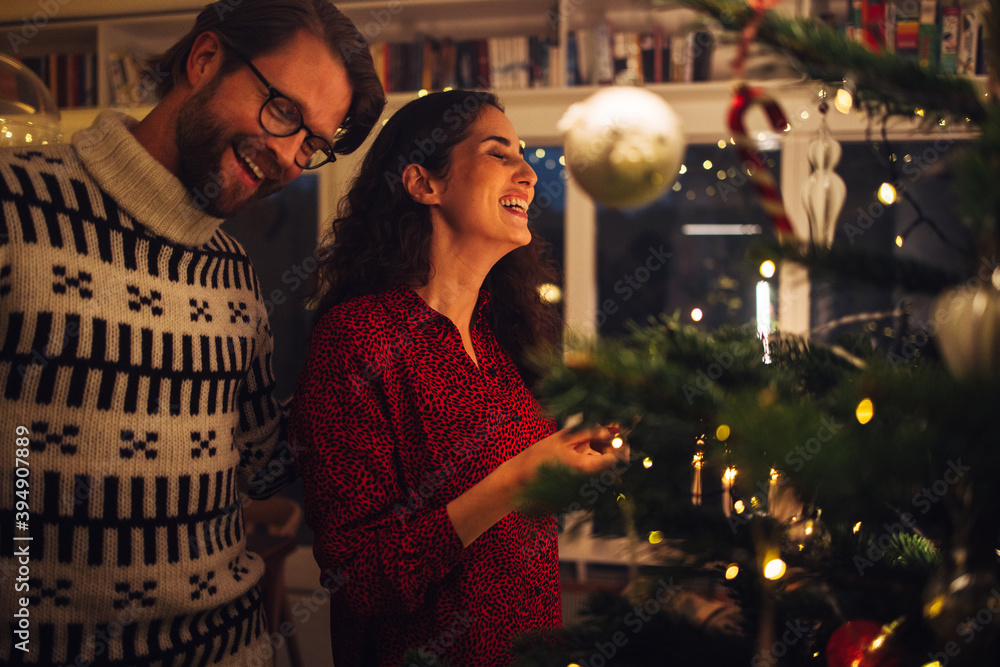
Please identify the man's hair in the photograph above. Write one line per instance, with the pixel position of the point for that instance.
(255, 27)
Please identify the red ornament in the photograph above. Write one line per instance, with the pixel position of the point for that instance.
(862, 643)
(744, 98)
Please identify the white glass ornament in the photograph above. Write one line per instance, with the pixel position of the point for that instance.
(968, 325)
(824, 194)
(623, 145)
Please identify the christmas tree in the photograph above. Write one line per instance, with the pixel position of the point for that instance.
(827, 504)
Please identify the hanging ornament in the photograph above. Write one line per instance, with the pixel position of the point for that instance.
(968, 335)
(824, 194)
(744, 98)
(862, 643)
(953, 599)
(624, 145)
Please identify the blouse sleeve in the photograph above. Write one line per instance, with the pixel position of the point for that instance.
(372, 556)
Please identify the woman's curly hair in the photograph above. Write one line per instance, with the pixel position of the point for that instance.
(381, 236)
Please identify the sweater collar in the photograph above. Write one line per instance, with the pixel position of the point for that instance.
(139, 184)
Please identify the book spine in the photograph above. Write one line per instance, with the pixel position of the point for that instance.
(950, 27)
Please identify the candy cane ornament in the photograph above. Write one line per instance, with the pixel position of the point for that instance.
(744, 98)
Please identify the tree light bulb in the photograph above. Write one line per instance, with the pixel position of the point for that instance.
(887, 194)
(767, 269)
(732, 571)
(775, 569)
(865, 411)
(844, 101)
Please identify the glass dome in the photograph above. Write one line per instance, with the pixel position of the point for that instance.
(28, 114)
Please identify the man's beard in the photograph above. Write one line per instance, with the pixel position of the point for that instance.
(202, 140)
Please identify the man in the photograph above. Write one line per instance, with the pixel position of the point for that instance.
(135, 378)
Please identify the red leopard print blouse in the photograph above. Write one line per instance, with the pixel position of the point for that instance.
(391, 421)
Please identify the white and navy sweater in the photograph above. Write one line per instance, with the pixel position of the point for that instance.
(135, 359)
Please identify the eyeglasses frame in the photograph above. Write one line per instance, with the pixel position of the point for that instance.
(273, 93)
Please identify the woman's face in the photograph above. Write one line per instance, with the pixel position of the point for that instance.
(485, 196)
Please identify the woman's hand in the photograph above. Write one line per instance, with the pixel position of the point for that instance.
(495, 496)
(586, 450)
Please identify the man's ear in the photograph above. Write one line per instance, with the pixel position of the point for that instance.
(422, 186)
(205, 59)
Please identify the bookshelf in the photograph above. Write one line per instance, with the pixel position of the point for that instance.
(106, 28)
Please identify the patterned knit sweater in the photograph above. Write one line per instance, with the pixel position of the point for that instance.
(135, 382)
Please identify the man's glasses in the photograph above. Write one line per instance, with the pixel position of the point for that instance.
(280, 117)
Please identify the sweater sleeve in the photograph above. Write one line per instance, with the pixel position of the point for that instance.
(381, 554)
(260, 434)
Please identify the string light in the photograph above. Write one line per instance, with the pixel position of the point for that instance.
(767, 269)
(697, 314)
(722, 433)
(647, 463)
(617, 442)
(844, 101)
(887, 194)
(732, 571)
(865, 411)
(857, 527)
(775, 569)
(739, 506)
(655, 537)
(899, 241)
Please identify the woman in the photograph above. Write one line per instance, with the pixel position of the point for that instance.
(413, 423)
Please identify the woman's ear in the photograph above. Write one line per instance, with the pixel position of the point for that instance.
(421, 185)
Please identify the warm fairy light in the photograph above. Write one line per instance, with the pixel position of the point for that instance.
(732, 571)
(899, 241)
(722, 143)
(699, 460)
(844, 101)
(729, 475)
(919, 112)
(447, 88)
(521, 142)
(697, 314)
(809, 527)
(775, 569)
(865, 411)
(647, 463)
(550, 293)
(767, 269)
(684, 169)
(722, 433)
(774, 476)
(804, 115)
(27, 138)
(620, 498)
(617, 442)
(877, 642)
(562, 160)
(655, 537)
(933, 608)
(857, 527)
(887, 194)
(739, 506)
(707, 164)
(422, 93)
(539, 153)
